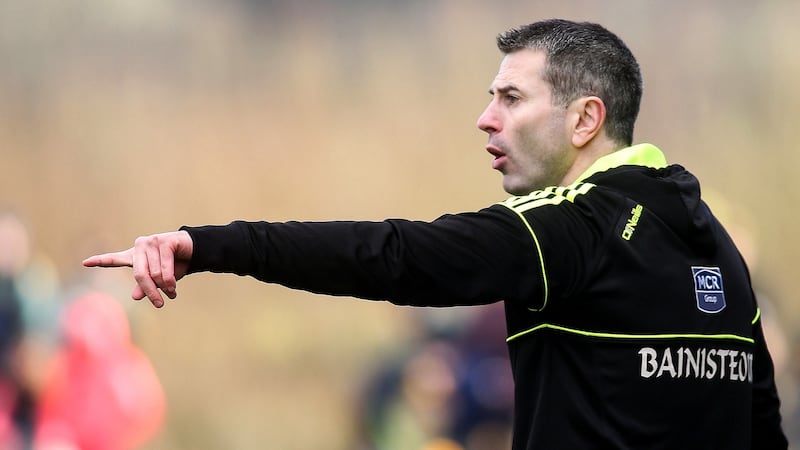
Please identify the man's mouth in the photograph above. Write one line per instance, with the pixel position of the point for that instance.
(499, 157)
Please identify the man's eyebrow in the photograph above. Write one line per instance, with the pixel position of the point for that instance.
(505, 89)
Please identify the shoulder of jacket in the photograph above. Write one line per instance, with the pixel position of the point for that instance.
(553, 195)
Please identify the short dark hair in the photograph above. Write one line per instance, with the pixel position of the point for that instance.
(585, 59)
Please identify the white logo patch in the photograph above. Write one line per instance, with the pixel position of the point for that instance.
(708, 289)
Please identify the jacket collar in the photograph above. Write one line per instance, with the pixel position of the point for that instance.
(647, 155)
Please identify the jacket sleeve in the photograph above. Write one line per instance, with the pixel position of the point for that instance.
(767, 433)
(458, 259)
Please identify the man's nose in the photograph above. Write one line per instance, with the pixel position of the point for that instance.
(488, 120)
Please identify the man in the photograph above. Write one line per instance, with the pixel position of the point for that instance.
(631, 319)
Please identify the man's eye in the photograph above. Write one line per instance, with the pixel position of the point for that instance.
(510, 99)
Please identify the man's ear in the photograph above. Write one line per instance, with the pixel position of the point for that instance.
(590, 115)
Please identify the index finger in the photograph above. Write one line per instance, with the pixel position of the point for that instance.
(115, 259)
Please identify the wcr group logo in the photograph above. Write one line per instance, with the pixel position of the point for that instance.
(708, 289)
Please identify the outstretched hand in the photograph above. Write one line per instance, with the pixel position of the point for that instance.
(158, 262)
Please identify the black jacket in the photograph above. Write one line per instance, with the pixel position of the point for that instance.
(631, 318)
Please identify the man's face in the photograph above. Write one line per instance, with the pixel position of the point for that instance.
(527, 134)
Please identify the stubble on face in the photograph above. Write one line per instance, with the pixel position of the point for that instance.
(540, 156)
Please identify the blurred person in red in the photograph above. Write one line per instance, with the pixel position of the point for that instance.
(100, 392)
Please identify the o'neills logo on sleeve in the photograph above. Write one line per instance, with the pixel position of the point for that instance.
(630, 226)
(708, 289)
(700, 363)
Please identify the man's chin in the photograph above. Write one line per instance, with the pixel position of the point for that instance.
(516, 188)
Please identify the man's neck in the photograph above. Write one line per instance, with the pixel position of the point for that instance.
(586, 156)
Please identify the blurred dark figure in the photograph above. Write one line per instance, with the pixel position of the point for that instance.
(453, 391)
(16, 399)
(792, 389)
(483, 407)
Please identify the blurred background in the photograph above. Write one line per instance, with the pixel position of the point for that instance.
(125, 118)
